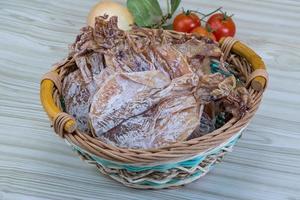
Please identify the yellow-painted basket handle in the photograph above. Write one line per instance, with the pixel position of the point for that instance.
(258, 82)
(46, 95)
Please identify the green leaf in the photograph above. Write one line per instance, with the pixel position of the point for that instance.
(145, 12)
(174, 5)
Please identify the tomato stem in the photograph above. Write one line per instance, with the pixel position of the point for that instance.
(163, 20)
(206, 15)
(195, 11)
(219, 9)
(186, 12)
(203, 20)
(226, 16)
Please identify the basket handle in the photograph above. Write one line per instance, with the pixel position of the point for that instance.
(61, 121)
(259, 78)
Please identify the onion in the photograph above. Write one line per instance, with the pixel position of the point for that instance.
(125, 19)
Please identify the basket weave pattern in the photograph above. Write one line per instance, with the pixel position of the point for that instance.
(173, 165)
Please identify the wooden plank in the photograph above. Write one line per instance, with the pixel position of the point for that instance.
(37, 164)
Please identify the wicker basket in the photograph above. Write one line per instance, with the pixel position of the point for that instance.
(165, 167)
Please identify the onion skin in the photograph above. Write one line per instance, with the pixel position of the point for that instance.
(125, 19)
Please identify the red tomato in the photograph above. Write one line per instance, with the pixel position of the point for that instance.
(201, 31)
(221, 25)
(186, 22)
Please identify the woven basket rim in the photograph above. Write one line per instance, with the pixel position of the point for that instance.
(163, 154)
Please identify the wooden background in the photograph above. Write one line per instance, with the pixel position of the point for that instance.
(36, 164)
